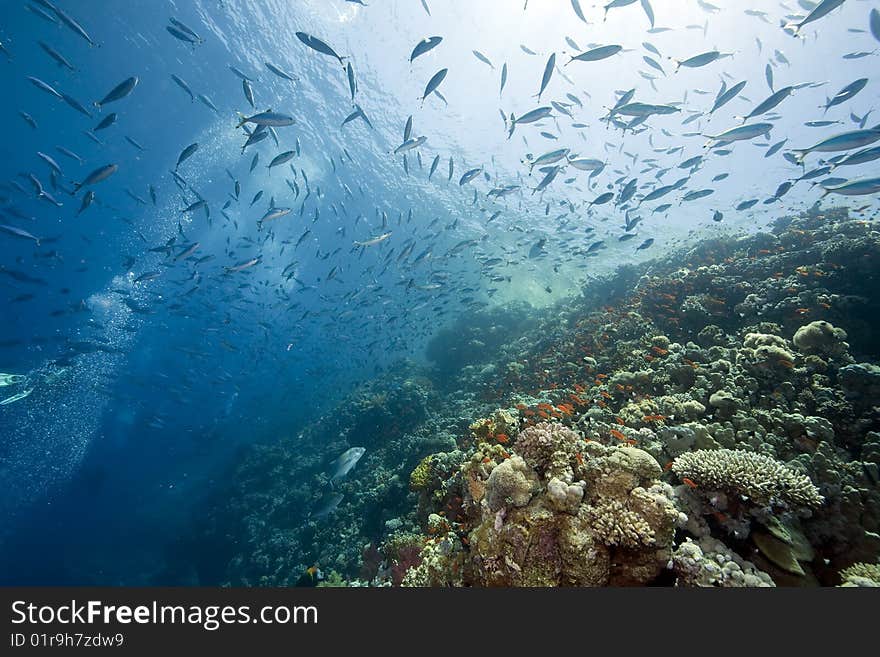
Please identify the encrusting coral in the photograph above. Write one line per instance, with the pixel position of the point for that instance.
(709, 562)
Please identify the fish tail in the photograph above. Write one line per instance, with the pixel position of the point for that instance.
(98, 105)
(242, 121)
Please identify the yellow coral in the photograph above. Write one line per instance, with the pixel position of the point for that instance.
(501, 421)
(861, 571)
(420, 477)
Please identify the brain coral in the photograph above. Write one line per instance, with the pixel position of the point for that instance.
(760, 478)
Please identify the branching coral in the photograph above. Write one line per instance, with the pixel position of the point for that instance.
(761, 479)
(861, 574)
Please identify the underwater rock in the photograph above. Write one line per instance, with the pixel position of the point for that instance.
(861, 382)
(778, 552)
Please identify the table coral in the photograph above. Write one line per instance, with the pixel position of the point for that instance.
(761, 479)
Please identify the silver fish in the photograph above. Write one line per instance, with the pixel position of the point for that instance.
(18, 232)
(596, 54)
(281, 158)
(819, 11)
(267, 118)
(185, 154)
(54, 54)
(423, 46)
(840, 142)
(742, 132)
(434, 82)
(118, 92)
(73, 25)
(248, 92)
(483, 59)
(346, 462)
(328, 507)
(98, 175)
(699, 60)
(858, 187)
(39, 84)
(277, 71)
(548, 73)
(410, 144)
(371, 242)
(239, 73)
(183, 85)
(318, 46)
(207, 101)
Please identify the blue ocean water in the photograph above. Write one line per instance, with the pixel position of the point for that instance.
(157, 343)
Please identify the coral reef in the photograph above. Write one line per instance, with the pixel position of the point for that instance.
(708, 419)
(565, 512)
